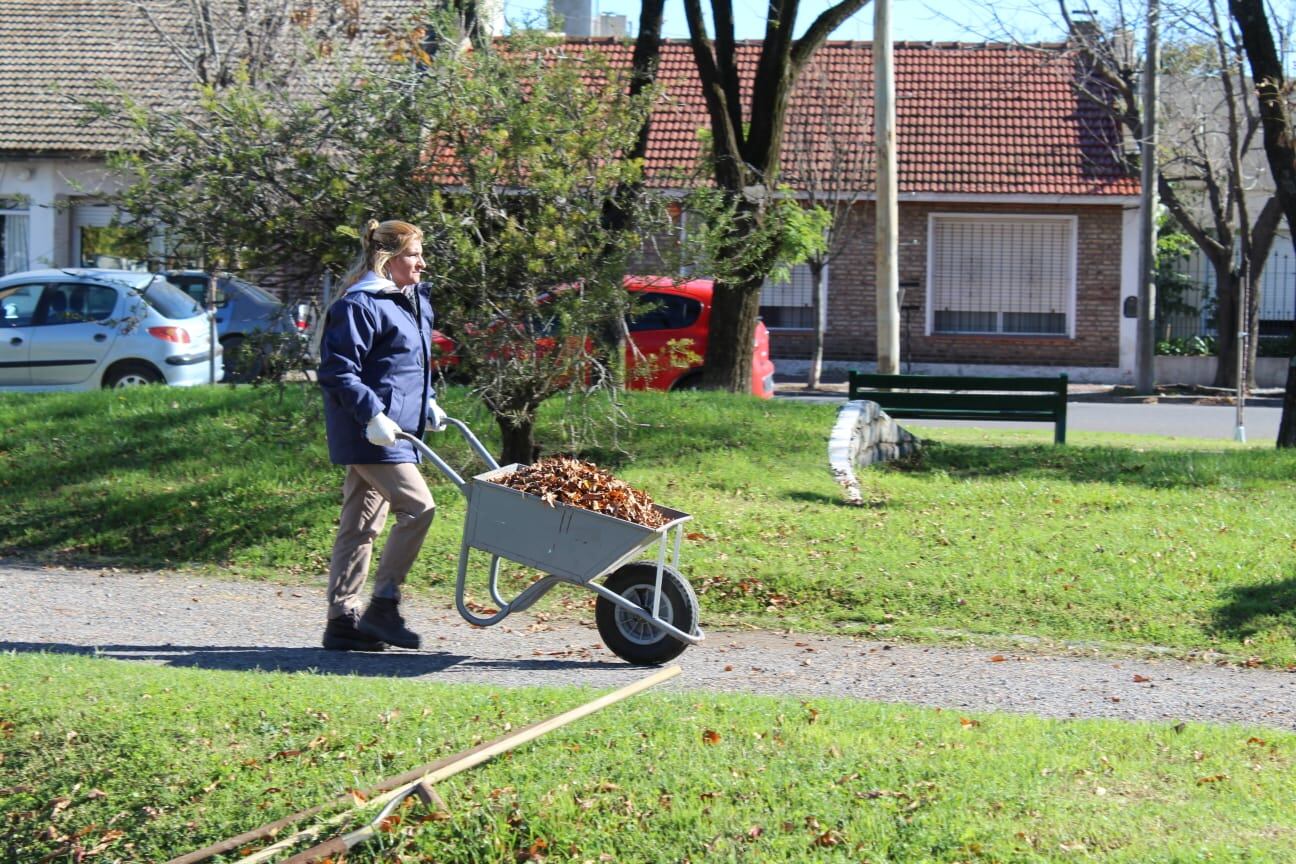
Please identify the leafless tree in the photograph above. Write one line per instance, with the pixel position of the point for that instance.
(1273, 93)
(747, 150)
(216, 40)
(825, 159)
(1207, 177)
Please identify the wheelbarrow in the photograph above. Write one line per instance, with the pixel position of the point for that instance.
(646, 611)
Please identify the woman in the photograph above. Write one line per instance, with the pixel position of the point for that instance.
(376, 379)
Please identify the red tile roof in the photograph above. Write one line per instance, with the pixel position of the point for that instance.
(54, 54)
(971, 119)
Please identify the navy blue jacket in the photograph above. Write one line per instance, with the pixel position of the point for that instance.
(374, 359)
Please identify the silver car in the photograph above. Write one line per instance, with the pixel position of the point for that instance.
(80, 329)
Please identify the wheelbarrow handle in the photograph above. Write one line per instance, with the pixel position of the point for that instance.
(440, 463)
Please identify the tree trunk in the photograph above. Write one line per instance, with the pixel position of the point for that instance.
(728, 361)
(1253, 331)
(1227, 318)
(1280, 149)
(1226, 321)
(817, 310)
(1287, 425)
(517, 440)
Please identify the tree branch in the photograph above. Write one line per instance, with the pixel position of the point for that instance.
(819, 31)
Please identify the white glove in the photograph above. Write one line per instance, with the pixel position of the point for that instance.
(436, 416)
(381, 431)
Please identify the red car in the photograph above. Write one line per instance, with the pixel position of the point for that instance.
(673, 312)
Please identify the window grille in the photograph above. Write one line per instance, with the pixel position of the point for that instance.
(790, 304)
(1010, 275)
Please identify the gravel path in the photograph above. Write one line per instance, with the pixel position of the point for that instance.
(184, 621)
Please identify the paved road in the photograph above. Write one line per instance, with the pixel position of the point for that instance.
(178, 620)
(1176, 419)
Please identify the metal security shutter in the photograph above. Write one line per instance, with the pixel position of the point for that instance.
(789, 304)
(1011, 275)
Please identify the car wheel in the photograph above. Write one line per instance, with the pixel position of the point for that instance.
(131, 375)
(690, 381)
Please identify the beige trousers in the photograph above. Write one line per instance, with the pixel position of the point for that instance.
(367, 494)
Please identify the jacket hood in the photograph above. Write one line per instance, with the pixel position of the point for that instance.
(373, 283)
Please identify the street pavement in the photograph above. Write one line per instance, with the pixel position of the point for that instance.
(1099, 411)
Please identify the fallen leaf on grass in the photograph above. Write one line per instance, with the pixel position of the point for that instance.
(710, 736)
(828, 839)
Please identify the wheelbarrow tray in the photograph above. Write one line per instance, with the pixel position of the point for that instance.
(572, 543)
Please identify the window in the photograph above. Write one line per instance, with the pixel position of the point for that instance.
(663, 312)
(18, 305)
(169, 300)
(75, 303)
(13, 240)
(1012, 275)
(195, 286)
(790, 304)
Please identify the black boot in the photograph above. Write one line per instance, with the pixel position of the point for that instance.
(382, 620)
(340, 634)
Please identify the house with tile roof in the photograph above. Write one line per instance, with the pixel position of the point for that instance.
(1018, 219)
(1018, 223)
(54, 57)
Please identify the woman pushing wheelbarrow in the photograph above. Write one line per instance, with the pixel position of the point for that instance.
(379, 400)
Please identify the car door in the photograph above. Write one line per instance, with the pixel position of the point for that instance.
(73, 332)
(17, 312)
(664, 319)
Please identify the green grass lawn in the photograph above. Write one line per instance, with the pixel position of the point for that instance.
(1116, 543)
(105, 760)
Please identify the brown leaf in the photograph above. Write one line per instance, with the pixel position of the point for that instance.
(998, 658)
(828, 839)
(710, 736)
(1141, 679)
(562, 479)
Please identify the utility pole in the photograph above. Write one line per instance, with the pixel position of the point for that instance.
(886, 245)
(1146, 342)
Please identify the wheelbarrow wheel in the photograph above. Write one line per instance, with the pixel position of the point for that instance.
(632, 638)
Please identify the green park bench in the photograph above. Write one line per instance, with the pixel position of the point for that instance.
(957, 397)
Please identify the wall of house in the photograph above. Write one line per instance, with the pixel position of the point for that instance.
(851, 334)
(52, 189)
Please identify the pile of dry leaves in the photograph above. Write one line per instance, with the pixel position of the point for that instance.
(563, 480)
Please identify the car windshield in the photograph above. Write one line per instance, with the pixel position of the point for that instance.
(170, 301)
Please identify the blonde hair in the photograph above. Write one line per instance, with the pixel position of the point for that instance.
(379, 243)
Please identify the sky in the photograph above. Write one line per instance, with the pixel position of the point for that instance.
(911, 20)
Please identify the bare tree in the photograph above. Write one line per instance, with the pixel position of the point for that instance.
(827, 163)
(1273, 93)
(746, 150)
(217, 40)
(1209, 125)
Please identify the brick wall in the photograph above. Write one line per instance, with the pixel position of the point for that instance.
(852, 305)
